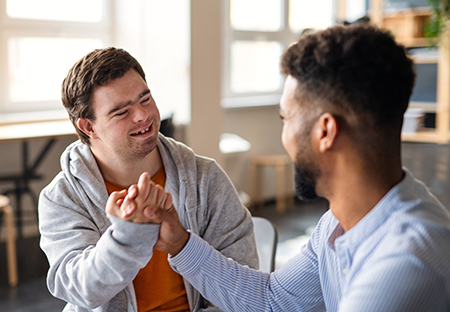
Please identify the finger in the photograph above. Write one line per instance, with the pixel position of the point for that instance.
(168, 203)
(132, 191)
(128, 207)
(115, 196)
(143, 187)
(162, 195)
(153, 195)
(111, 205)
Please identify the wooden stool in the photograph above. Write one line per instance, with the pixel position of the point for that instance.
(280, 162)
(6, 209)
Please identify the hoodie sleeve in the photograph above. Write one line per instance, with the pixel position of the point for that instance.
(88, 265)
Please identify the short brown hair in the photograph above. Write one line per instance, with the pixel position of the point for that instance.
(97, 68)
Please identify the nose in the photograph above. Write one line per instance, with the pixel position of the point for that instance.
(139, 113)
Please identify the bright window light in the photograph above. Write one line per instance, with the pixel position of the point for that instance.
(55, 10)
(304, 14)
(255, 66)
(37, 66)
(256, 15)
(354, 9)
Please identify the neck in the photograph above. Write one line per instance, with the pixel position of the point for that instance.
(126, 172)
(355, 188)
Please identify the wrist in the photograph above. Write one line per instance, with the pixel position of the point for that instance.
(180, 244)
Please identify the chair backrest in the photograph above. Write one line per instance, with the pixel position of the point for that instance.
(266, 236)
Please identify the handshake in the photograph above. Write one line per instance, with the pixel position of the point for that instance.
(146, 202)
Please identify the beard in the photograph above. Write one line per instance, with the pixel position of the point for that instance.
(305, 181)
(307, 171)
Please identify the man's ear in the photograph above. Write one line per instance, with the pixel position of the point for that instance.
(327, 129)
(86, 126)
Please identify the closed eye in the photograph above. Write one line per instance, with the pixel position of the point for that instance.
(121, 113)
(145, 101)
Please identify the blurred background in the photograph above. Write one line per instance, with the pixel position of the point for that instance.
(213, 69)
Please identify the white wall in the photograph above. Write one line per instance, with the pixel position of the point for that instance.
(261, 126)
(157, 34)
(203, 133)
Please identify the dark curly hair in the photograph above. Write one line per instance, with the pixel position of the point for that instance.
(358, 72)
(97, 68)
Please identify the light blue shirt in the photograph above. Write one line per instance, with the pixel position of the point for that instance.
(397, 258)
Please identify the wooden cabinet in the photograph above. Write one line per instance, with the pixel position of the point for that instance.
(408, 28)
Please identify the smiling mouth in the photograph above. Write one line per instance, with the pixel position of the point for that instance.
(143, 131)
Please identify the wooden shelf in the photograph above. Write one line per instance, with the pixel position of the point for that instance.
(408, 28)
(426, 136)
(408, 25)
(422, 59)
(427, 107)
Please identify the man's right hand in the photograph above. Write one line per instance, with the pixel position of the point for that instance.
(172, 236)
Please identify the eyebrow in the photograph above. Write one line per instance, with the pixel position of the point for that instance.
(122, 105)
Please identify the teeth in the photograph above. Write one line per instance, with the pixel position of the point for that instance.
(143, 131)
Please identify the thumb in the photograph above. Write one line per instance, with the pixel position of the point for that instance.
(159, 214)
(112, 205)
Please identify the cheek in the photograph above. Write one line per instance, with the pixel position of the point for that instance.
(283, 137)
(288, 140)
(153, 109)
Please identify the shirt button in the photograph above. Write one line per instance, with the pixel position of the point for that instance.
(345, 271)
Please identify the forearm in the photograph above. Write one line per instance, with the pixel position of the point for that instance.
(89, 275)
(233, 287)
(222, 281)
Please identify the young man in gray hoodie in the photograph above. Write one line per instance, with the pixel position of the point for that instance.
(105, 263)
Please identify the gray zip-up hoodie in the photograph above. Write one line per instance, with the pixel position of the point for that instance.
(94, 257)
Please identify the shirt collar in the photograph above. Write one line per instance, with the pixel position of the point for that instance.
(374, 219)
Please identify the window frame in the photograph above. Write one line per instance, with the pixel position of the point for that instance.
(282, 36)
(285, 36)
(14, 27)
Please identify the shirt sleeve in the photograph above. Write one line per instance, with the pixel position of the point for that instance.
(233, 287)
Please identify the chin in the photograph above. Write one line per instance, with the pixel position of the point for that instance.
(305, 183)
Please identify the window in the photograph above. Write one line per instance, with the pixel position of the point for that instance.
(305, 14)
(256, 34)
(40, 41)
(165, 54)
(268, 17)
(254, 67)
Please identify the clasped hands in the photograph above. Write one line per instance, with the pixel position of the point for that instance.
(147, 202)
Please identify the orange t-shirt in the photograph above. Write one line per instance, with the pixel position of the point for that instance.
(157, 286)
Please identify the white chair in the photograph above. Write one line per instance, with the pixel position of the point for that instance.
(266, 236)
